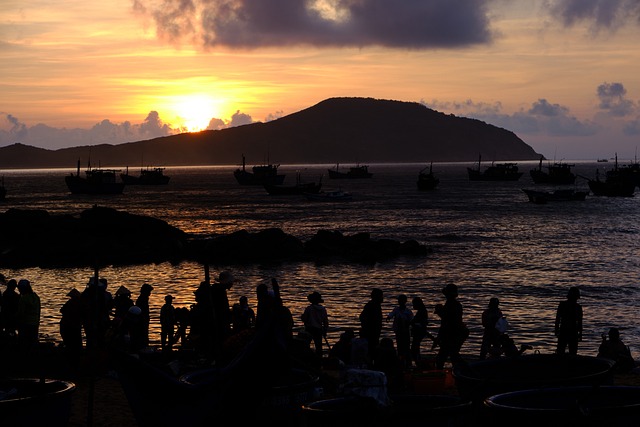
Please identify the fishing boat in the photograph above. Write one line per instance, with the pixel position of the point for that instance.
(608, 405)
(35, 402)
(148, 176)
(354, 172)
(495, 172)
(297, 189)
(558, 173)
(259, 175)
(95, 181)
(564, 195)
(479, 379)
(330, 196)
(617, 183)
(427, 180)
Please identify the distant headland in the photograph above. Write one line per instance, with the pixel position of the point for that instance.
(344, 130)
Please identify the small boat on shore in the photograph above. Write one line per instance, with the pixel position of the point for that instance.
(95, 181)
(426, 179)
(259, 175)
(35, 402)
(330, 196)
(558, 173)
(298, 188)
(354, 172)
(148, 176)
(565, 195)
(495, 172)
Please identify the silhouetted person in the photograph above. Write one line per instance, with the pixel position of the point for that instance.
(342, 349)
(28, 317)
(167, 323)
(387, 361)
(418, 327)
(401, 316)
(10, 299)
(371, 321)
(453, 331)
(221, 307)
(491, 335)
(616, 350)
(71, 325)
(121, 304)
(142, 302)
(243, 317)
(568, 325)
(316, 320)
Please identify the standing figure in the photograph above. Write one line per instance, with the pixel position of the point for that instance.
(316, 320)
(221, 308)
(71, 325)
(243, 317)
(167, 323)
(402, 316)
(491, 335)
(142, 302)
(371, 321)
(568, 325)
(418, 327)
(121, 303)
(10, 299)
(453, 332)
(28, 317)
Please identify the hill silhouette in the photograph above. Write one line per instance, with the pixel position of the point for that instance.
(344, 130)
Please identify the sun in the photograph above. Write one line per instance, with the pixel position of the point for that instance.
(194, 112)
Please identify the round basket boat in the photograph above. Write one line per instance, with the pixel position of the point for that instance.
(415, 410)
(479, 379)
(35, 402)
(611, 406)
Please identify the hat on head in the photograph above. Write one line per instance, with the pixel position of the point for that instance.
(146, 287)
(450, 290)
(315, 298)
(73, 293)
(135, 310)
(225, 278)
(122, 290)
(168, 298)
(24, 283)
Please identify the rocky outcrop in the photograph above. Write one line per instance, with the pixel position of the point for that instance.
(103, 236)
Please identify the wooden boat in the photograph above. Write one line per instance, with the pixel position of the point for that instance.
(35, 402)
(495, 172)
(611, 406)
(479, 379)
(330, 196)
(558, 173)
(95, 181)
(354, 172)
(618, 183)
(404, 409)
(259, 175)
(565, 195)
(148, 176)
(298, 188)
(427, 180)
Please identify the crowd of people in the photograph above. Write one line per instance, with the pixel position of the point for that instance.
(217, 329)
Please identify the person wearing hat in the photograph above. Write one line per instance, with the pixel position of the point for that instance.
(28, 317)
(453, 332)
(221, 307)
(121, 303)
(316, 320)
(71, 326)
(568, 324)
(491, 335)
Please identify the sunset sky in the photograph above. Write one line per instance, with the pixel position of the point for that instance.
(564, 75)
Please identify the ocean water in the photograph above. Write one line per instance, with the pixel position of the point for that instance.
(486, 237)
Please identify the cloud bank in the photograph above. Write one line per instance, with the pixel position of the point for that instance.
(601, 14)
(413, 24)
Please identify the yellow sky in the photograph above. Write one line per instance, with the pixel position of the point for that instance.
(74, 64)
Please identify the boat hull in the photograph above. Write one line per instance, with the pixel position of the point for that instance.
(35, 402)
(611, 406)
(542, 197)
(612, 189)
(80, 185)
(479, 379)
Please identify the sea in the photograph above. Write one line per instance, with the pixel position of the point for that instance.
(485, 237)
